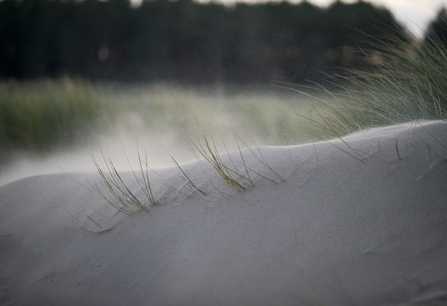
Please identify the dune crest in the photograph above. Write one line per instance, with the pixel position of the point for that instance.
(359, 220)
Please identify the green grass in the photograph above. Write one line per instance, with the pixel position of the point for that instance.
(116, 192)
(409, 82)
(41, 115)
(233, 172)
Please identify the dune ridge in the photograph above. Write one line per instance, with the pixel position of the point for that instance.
(359, 220)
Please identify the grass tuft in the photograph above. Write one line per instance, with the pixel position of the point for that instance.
(211, 155)
(408, 82)
(117, 191)
(187, 177)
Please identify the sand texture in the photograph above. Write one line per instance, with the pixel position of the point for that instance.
(361, 221)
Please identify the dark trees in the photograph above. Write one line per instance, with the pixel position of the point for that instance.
(182, 40)
(436, 33)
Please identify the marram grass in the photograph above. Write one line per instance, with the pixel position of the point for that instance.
(236, 174)
(117, 193)
(38, 116)
(408, 82)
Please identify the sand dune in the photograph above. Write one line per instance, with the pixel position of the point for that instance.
(358, 221)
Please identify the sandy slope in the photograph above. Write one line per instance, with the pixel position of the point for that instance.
(344, 228)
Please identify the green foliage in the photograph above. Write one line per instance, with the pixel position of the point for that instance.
(437, 30)
(37, 116)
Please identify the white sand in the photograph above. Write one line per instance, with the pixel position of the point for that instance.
(340, 230)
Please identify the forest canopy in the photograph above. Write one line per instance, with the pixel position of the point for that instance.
(187, 42)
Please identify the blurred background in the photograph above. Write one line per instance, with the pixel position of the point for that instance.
(184, 41)
(90, 75)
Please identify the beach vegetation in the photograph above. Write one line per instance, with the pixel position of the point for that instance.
(38, 116)
(408, 82)
(232, 171)
(114, 189)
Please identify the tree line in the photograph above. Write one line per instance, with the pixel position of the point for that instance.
(188, 42)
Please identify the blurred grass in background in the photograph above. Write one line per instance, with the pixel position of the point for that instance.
(38, 116)
(41, 117)
(256, 113)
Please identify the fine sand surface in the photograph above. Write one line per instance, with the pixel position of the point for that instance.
(330, 226)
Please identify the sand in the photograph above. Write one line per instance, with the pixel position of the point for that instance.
(361, 221)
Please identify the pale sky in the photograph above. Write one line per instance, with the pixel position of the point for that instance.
(414, 14)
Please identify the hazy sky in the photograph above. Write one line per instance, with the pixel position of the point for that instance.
(414, 14)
